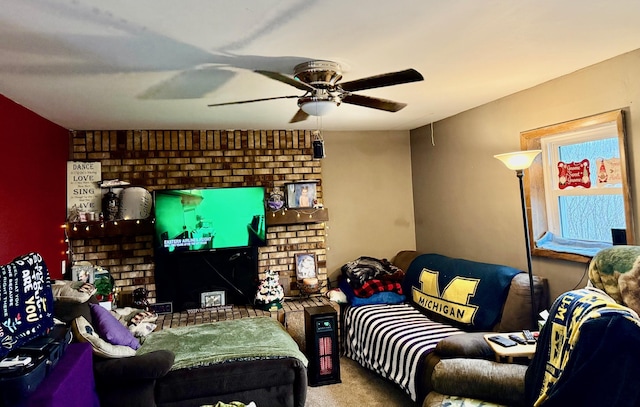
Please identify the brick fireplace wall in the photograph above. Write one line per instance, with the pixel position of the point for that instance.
(192, 159)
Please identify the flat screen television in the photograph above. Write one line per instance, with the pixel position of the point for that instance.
(206, 219)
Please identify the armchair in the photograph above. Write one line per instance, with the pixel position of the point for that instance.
(465, 375)
(588, 352)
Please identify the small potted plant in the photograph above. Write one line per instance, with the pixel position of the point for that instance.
(104, 284)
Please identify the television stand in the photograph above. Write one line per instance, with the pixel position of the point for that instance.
(182, 277)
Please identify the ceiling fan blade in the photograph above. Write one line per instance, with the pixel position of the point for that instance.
(378, 81)
(252, 100)
(286, 79)
(374, 103)
(300, 116)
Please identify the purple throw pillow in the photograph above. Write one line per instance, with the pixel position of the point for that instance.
(110, 329)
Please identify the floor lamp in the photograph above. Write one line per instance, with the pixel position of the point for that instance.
(520, 161)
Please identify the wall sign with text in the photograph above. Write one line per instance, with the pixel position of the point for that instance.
(574, 174)
(83, 190)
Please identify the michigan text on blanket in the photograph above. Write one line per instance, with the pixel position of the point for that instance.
(453, 301)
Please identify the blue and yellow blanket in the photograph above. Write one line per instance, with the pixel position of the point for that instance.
(587, 355)
(467, 293)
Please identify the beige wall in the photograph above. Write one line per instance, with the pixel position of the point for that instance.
(366, 184)
(467, 202)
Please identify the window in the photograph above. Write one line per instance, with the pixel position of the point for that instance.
(577, 188)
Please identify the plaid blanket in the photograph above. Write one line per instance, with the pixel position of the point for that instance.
(371, 287)
(364, 268)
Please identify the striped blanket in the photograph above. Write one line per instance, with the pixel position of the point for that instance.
(392, 340)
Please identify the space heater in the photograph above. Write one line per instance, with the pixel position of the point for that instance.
(321, 332)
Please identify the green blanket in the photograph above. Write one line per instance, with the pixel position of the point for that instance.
(217, 342)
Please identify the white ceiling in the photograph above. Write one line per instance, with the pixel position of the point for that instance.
(157, 64)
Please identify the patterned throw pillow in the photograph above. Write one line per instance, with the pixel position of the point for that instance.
(142, 329)
(139, 322)
(84, 332)
(130, 315)
(72, 291)
(142, 317)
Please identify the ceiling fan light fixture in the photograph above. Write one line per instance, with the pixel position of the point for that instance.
(319, 80)
(315, 107)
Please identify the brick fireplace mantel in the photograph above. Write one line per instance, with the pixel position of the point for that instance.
(172, 159)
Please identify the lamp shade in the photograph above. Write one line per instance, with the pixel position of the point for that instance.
(318, 107)
(518, 160)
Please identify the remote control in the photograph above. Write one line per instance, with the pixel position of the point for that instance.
(502, 341)
(16, 361)
(528, 336)
(518, 339)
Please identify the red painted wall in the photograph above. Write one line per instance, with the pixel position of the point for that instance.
(33, 157)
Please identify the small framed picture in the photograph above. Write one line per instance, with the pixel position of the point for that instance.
(305, 265)
(212, 299)
(82, 273)
(301, 194)
(161, 308)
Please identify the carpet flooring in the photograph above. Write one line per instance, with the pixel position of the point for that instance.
(359, 387)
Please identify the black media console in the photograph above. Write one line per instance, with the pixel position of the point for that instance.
(182, 277)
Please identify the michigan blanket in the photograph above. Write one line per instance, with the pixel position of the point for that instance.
(467, 293)
(587, 353)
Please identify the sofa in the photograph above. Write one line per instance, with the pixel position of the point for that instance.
(447, 306)
(596, 329)
(194, 365)
(238, 361)
(586, 355)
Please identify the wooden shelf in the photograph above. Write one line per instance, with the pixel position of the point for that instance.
(88, 230)
(297, 216)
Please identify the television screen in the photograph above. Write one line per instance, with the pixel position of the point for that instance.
(209, 218)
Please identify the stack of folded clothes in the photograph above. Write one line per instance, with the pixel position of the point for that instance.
(367, 280)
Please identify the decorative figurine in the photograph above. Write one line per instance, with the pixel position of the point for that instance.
(270, 292)
(110, 205)
(276, 200)
(140, 298)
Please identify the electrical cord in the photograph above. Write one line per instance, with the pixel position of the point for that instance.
(224, 278)
(586, 268)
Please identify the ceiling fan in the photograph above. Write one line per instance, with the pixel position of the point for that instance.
(323, 93)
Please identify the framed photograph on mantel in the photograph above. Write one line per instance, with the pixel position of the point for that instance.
(212, 299)
(305, 266)
(82, 272)
(301, 194)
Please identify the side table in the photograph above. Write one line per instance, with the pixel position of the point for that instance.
(506, 354)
